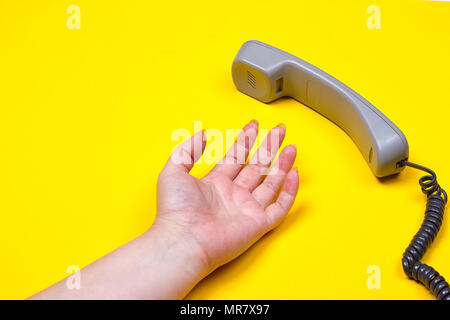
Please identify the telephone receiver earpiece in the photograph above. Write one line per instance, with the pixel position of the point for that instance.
(267, 73)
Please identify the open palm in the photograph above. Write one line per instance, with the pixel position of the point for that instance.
(236, 203)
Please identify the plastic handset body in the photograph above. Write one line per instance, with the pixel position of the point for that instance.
(267, 73)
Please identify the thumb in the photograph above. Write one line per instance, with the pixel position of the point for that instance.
(186, 154)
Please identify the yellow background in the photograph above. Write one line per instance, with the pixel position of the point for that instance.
(86, 118)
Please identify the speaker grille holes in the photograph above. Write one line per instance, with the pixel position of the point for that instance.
(279, 85)
(370, 155)
(251, 79)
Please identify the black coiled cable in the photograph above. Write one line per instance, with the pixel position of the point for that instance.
(436, 201)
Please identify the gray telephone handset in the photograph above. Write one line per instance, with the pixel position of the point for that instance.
(267, 73)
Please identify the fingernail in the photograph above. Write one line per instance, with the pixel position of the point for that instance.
(295, 169)
(281, 125)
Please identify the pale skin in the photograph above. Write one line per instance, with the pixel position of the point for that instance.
(200, 225)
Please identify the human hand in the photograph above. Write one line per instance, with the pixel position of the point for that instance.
(201, 223)
(219, 216)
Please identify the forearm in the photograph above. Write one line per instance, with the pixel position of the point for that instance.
(156, 265)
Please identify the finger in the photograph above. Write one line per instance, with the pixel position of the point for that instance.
(236, 156)
(186, 154)
(252, 174)
(277, 210)
(269, 188)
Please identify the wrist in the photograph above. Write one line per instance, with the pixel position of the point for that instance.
(178, 253)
